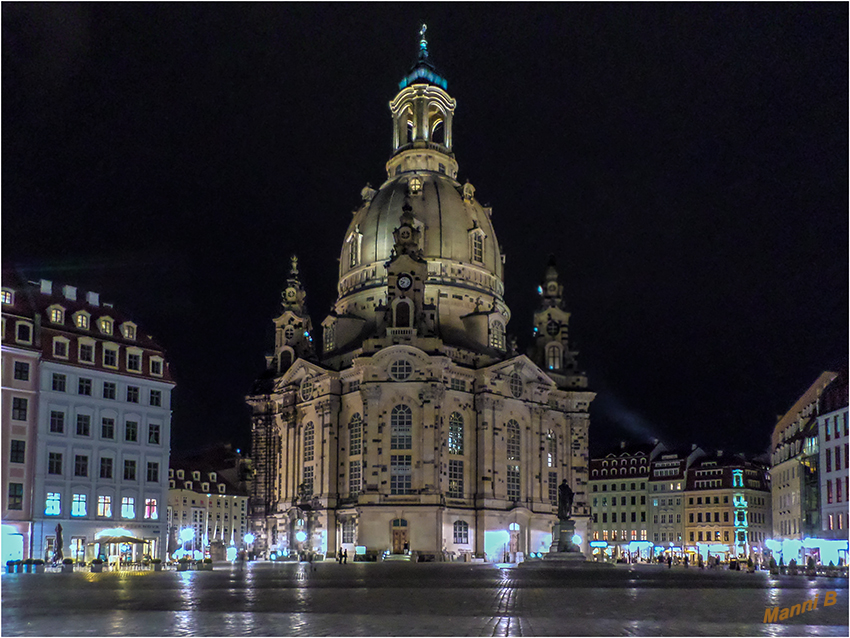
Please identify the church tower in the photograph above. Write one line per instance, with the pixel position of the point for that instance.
(416, 428)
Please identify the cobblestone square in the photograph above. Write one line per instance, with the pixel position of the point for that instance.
(404, 599)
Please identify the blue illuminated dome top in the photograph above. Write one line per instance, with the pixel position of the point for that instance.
(423, 69)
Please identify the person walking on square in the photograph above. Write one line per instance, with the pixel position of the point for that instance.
(345, 557)
(669, 562)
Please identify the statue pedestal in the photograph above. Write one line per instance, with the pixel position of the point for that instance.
(563, 551)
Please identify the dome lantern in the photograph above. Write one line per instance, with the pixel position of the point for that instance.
(422, 113)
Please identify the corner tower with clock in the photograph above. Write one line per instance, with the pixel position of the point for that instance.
(417, 428)
(293, 327)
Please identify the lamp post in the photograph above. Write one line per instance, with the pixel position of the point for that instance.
(248, 538)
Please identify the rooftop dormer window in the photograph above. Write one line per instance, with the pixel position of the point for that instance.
(221, 488)
(213, 477)
(56, 314)
(196, 476)
(180, 474)
(81, 320)
(105, 325)
(128, 329)
(7, 296)
(205, 487)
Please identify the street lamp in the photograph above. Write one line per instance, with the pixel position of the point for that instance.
(248, 538)
(186, 534)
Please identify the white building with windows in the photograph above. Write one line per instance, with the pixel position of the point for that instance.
(418, 429)
(103, 422)
(834, 454)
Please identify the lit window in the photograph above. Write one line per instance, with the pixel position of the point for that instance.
(329, 336)
(53, 504)
(106, 326)
(461, 532)
(104, 506)
(401, 420)
(551, 449)
(151, 509)
(128, 507)
(7, 296)
(497, 336)
(455, 433)
(78, 505)
(57, 315)
(129, 331)
(82, 320)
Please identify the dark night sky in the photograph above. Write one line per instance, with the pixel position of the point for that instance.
(687, 165)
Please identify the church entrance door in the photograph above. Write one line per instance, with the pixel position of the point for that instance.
(400, 539)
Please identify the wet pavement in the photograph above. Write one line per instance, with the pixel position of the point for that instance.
(405, 599)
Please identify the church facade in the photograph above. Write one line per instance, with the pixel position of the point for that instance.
(413, 426)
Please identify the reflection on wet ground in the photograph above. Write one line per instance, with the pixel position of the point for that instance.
(404, 599)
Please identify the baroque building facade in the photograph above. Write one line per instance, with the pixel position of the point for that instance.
(416, 428)
(86, 425)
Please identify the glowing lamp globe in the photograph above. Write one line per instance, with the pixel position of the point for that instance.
(300, 536)
(576, 539)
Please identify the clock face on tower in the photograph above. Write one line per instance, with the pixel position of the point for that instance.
(553, 327)
(405, 234)
(405, 282)
(290, 294)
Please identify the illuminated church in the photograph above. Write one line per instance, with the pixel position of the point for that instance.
(411, 427)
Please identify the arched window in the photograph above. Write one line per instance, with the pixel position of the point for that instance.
(551, 449)
(477, 247)
(330, 332)
(401, 419)
(513, 441)
(399, 522)
(353, 251)
(438, 133)
(308, 442)
(461, 532)
(455, 433)
(553, 357)
(402, 314)
(355, 434)
(497, 335)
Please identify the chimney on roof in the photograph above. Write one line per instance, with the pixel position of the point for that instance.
(719, 453)
(622, 445)
(70, 292)
(93, 298)
(46, 286)
(693, 446)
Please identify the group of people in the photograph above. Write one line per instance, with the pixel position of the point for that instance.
(342, 556)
